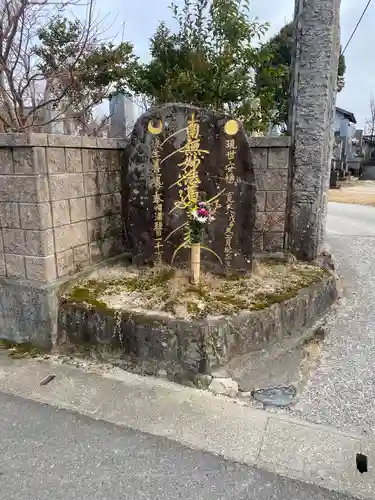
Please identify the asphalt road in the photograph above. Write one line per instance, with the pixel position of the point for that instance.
(342, 390)
(48, 454)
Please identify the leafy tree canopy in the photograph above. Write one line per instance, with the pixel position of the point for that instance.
(86, 70)
(209, 60)
(279, 52)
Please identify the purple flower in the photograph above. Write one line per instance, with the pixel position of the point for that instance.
(202, 212)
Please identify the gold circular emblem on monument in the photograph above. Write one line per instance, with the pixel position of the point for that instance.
(155, 130)
(231, 127)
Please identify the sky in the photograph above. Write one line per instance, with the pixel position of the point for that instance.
(141, 18)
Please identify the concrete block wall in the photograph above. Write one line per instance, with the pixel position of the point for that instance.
(60, 211)
(60, 204)
(271, 166)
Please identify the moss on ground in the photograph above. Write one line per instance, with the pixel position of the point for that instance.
(169, 290)
(87, 293)
(21, 350)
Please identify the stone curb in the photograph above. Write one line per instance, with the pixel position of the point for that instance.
(270, 142)
(60, 141)
(315, 454)
(70, 141)
(183, 345)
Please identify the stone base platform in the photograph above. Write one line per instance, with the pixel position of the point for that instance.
(29, 312)
(193, 346)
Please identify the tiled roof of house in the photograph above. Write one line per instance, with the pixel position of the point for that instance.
(348, 114)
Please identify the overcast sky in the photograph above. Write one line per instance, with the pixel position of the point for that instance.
(142, 17)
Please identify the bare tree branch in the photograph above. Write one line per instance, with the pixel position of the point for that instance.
(31, 87)
(370, 122)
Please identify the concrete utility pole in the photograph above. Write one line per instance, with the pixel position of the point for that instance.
(313, 98)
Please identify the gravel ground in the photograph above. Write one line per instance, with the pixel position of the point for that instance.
(342, 390)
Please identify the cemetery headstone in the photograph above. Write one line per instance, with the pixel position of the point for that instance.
(189, 179)
(121, 115)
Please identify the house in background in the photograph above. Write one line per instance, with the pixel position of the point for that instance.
(344, 120)
(347, 148)
(348, 143)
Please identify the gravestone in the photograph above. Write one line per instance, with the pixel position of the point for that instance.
(121, 112)
(179, 155)
(367, 169)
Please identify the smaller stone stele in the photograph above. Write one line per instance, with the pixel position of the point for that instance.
(178, 156)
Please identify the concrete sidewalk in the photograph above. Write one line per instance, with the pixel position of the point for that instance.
(312, 453)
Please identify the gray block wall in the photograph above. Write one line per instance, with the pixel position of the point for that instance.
(271, 166)
(60, 213)
(60, 209)
(60, 204)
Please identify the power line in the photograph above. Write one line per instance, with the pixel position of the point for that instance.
(355, 29)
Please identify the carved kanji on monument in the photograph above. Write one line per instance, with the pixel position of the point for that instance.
(183, 159)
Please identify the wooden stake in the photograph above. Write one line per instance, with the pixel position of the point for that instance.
(195, 263)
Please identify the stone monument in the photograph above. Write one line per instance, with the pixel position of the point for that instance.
(182, 160)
